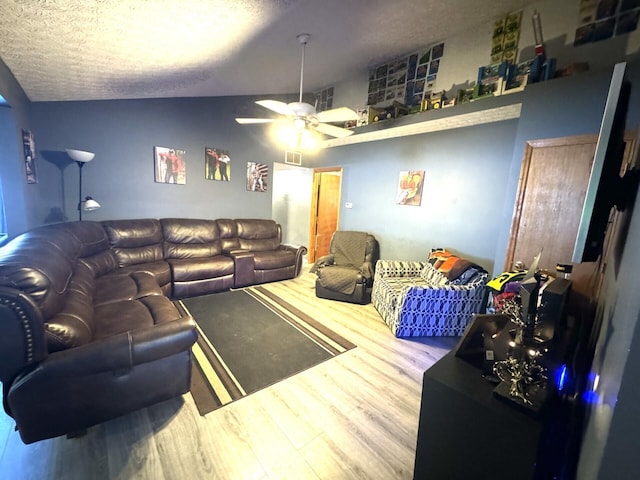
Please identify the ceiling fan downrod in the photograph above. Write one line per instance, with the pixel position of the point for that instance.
(303, 38)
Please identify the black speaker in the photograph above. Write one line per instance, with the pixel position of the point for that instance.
(529, 297)
(551, 318)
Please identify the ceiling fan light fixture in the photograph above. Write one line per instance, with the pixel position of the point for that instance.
(306, 142)
(299, 123)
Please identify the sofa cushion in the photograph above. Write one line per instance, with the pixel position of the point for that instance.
(116, 287)
(190, 238)
(73, 325)
(123, 316)
(228, 231)
(160, 269)
(189, 269)
(258, 235)
(270, 260)
(90, 235)
(135, 241)
(129, 315)
(101, 263)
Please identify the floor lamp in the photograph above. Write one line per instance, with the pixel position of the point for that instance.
(81, 157)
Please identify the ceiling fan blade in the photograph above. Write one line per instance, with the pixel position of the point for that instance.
(341, 114)
(245, 121)
(276, 106)
(332, 130)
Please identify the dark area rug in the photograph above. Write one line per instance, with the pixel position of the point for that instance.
(249, 339)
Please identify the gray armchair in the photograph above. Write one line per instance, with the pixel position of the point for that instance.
(346, 273)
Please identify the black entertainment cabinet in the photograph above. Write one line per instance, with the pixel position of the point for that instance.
(467, 433)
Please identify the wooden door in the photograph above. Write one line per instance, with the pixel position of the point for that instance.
(325, 210)
(552, 187)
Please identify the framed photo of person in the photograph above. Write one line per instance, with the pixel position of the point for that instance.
(170, 165)
(217, 164)
(29, 145)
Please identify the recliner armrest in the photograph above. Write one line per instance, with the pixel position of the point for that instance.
(367, 270)
(322, 262)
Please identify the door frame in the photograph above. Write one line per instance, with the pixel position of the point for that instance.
(313, 221)
(529, 147)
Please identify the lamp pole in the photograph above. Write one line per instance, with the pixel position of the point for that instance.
(80, 165)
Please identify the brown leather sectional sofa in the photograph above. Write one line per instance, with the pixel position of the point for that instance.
(88, 330)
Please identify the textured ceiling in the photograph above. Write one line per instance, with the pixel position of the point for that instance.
(114, 49)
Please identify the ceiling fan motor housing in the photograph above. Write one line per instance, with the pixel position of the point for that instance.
(301, 109)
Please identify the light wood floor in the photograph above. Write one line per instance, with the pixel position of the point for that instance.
(354, 416)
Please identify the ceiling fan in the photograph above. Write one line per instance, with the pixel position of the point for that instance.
(303, 115)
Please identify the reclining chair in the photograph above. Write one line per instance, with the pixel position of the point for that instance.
(346, 274)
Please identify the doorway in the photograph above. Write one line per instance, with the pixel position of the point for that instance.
(551, 191)
(325, 210)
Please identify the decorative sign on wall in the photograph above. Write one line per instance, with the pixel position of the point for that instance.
(506, 36)
(170, 165)
(407, 80)
(217, 164)
(410, 187)
(603, 19)
(257, 174)
(29, 144)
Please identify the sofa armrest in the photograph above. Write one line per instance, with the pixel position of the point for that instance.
(121, 352)
(398, 268)
(22, 340)
(233, 251)
(244, 268)
(299, 250)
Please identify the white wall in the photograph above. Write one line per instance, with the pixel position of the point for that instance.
(291, 201)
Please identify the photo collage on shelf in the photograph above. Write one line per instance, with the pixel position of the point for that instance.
(603, 19)
(407, 80)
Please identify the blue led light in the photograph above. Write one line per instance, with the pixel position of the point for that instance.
(561, 377)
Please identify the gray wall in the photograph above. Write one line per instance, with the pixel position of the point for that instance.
(465, 173)
(123, 133)
(20, 199)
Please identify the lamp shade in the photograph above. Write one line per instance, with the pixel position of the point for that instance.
(90, 204)
(80, 155)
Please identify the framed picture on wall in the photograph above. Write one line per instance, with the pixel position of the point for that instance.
(217, 164)
(410, 187)
(170, 165)
(257, 174)
(29, 145)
